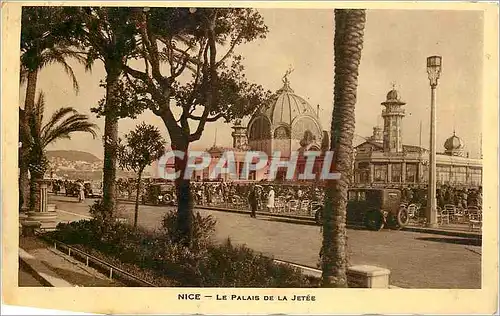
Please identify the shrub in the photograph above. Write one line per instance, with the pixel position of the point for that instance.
(97, 212)
(81, 232)
(239, 266)
(203, 229)
(204, 264)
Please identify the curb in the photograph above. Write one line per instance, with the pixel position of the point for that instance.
(304, 220)
(314, 273)
(38, 270)
(463, 234)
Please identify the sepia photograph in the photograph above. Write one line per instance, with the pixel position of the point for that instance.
(224, 149)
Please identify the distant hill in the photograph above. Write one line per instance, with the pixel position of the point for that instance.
(73, 155)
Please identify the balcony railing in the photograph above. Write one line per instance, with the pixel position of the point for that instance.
(393, 112)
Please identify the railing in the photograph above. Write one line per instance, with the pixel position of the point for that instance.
(101, 265)
(283, 204)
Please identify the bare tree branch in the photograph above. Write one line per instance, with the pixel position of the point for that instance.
(230, 50)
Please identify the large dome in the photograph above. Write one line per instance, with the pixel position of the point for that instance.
(287, 123)
(287, 107)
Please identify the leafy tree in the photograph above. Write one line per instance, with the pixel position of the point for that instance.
(144, 146)
(61, 125)
(47, 37)
(348, 44)
(190, 67)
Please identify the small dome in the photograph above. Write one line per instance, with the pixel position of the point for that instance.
(393, 95)
(453, 143)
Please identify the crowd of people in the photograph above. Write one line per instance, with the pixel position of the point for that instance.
(460, 197)
(71, 188)
(263, 195)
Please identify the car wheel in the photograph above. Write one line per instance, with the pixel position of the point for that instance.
(374, 220)
(403, 218)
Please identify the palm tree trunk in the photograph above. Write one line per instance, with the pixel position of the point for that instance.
(33, 194)
(110, 143)
(24, 132)
(138, 187)
(348, 44)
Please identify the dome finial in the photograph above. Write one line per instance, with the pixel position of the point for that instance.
(285, 77)
(393, 84)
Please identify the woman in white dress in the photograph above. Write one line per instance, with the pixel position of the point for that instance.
(82, 193)
(270, 199)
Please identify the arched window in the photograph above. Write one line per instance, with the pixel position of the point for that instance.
(260, 129)
(282, 132)
(304, 124)
(282, 140)
(259, 135)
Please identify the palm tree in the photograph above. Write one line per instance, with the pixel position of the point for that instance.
(46, 38)
(61, 125)
(348, 44)
(109, 35)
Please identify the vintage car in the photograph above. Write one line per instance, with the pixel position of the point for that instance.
(373, 208)
(93, 189)
(159, 193)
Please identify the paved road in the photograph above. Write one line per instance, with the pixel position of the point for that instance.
(416, 260)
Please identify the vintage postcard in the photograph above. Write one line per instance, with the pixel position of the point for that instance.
(250, 157)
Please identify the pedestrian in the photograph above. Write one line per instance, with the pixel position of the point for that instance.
(56, 187)
(209, 195)
(82, 192)
(464, 198)
(66, 187)
(252, 201)
(300, 195)
(270, 199)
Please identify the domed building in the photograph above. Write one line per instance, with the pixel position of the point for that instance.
(386, 161)
(289, 123)
(454, 146)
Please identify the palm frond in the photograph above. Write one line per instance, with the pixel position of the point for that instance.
(57, 117)
(23, 74)
(63, 129)
(59, 56)
(37, 115)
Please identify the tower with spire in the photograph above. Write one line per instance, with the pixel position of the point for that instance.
(239, 135)
(393, 115)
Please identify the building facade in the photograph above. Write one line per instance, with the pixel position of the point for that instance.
(285, 125)
(383, 159)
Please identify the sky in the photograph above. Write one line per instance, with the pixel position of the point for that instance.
(396, 45)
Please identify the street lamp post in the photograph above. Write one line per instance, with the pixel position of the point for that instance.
(433, 71)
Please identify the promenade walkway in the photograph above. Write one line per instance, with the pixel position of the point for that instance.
(457, 230)
(41, 265)
(415, 259)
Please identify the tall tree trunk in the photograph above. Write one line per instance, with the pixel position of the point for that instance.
(183, 192)
(33, 194)
(110, 142)
(24, 132)
(138, 188)
(348, 44)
